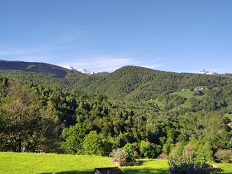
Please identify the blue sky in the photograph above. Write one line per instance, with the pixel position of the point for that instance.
(104, 35)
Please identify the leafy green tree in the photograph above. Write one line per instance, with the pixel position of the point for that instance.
(22, 117)
(198, 149)
(73, 139)
(147, 149)
(92, 144)
(130, 152)
(177, 150)
(204, 151)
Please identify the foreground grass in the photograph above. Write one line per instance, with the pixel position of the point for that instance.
(226, 167)
(41, 163)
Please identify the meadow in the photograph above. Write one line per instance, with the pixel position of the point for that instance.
(187, 95)
(42, 163)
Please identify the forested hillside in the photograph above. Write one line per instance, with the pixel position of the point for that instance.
(43, 68)
(155, 113)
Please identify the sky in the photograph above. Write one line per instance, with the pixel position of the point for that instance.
(104, 35)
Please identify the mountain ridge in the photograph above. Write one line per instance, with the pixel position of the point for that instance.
(128, 82)
(43, 68)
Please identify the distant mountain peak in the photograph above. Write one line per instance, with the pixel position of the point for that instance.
(207, 72)
(69, 67)
(84, 71)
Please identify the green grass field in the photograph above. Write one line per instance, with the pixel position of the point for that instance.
(42, 163)
(188, 95)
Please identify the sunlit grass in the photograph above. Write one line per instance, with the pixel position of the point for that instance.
(229, 116)
(42, 163)
(188, 95)
(226, 168)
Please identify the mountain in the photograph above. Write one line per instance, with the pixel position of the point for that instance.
(139, 83)
(44, 68)
(127, 83)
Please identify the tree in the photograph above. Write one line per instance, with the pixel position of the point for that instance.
(147, 149)
(21, 113)
(130, 152)
(92, 144)
(73, 136)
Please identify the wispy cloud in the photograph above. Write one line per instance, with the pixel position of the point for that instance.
(50, 54)
(107, 63)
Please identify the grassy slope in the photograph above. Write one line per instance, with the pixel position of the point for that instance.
(188, 95)
(32, 163)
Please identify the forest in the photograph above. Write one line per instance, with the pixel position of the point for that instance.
(154, 113)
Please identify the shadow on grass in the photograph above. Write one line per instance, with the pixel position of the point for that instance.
(70, 172)
(128, 171)
(140, 168)
(146, 170)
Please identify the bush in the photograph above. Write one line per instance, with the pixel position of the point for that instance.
(125, 154)
(187, 166)
(224, 155)
(119, 155)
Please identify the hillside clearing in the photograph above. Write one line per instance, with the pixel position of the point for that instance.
(188, 95)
